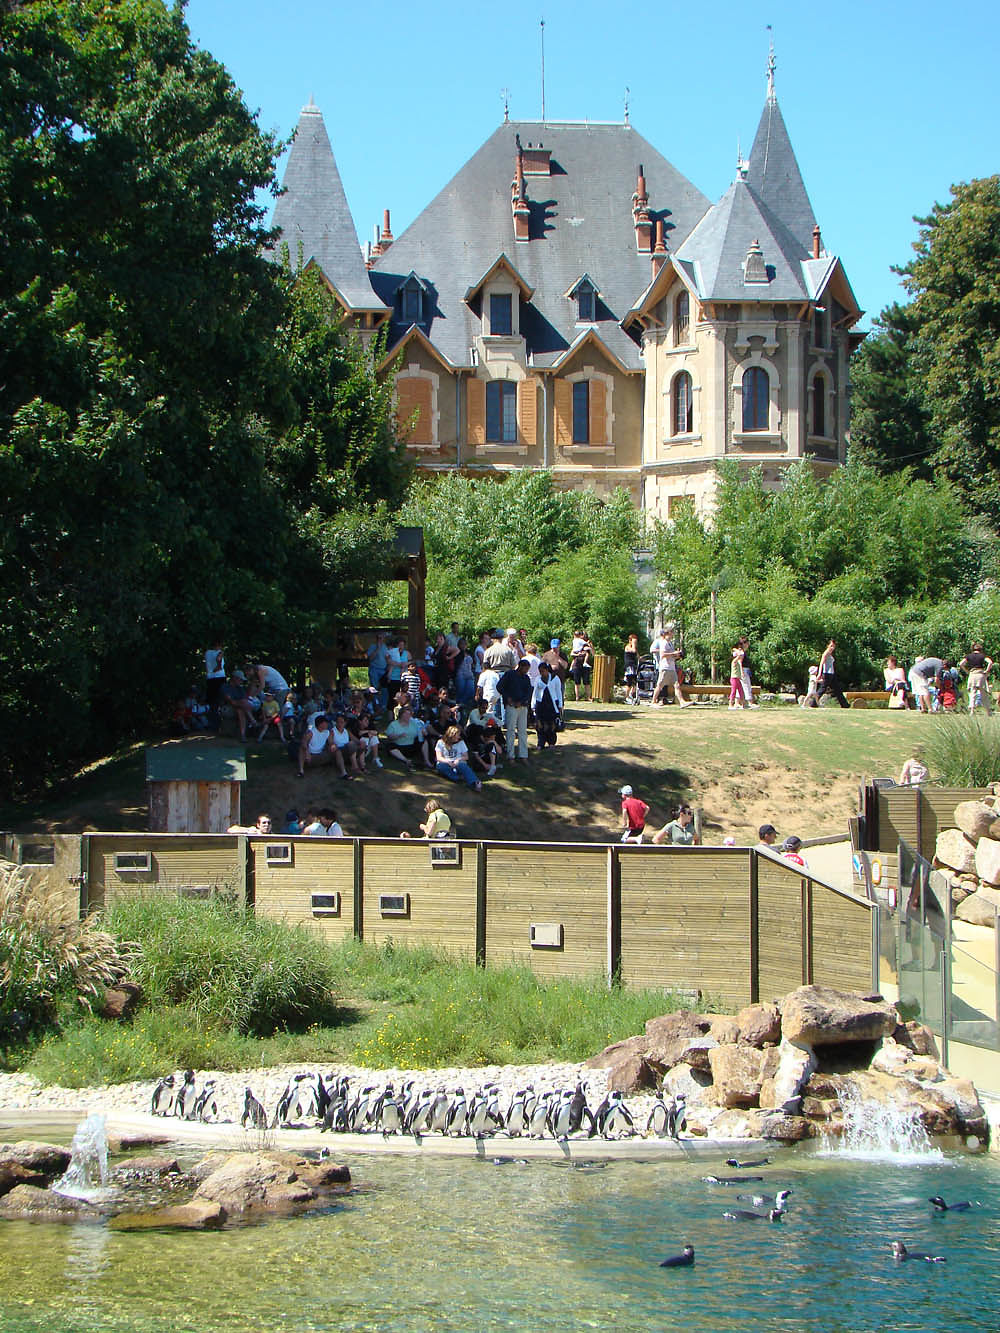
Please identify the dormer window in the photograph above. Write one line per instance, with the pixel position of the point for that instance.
(682, 319)
(754, 268)
(501, 315)
(411, 300)
(584, 293)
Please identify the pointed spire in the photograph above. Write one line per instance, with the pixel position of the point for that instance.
(773, 173)
(770, 65)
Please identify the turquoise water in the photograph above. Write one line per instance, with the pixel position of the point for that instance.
(450, 1244)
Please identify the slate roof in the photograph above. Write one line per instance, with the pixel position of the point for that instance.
(775, 177)
(196, 760)
(581, 222)
(313, 212)
(715, 252)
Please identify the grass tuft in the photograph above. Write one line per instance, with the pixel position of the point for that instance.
(963, 751)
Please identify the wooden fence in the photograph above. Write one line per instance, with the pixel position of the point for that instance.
(914, 815)
(736, 924)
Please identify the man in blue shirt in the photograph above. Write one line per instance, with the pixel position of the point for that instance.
(515, 691)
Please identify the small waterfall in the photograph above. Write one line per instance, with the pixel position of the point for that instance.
(880, 1132)
(87, 1173)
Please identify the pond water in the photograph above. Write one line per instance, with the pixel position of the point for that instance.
(458, 1244)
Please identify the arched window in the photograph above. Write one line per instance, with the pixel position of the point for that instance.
(819, 405)
(682, 318)
(756, 399)
(683, 418)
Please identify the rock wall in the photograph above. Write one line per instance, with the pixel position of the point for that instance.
(969, 854)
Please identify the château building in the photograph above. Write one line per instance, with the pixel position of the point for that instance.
(570, 301)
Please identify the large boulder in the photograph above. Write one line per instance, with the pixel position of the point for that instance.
(736, 1075)
(198, 1215)
(48, 1159)
(954, 850)
(274, 1181)
(759, 1025)
(634, 1073)
(723, 1028)
(980, 908)
(691, 1082)
(901, 1062)
(668, 1035)
(918, 1037)
(781, 1087)
(822, 1016)
(987, 865)
(120, 1001)
(618, 1051)
(30, 1203)
(975, 818)
(697, 1053)
(787, 1128)
(737, 1123)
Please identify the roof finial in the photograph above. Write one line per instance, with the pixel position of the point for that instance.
(627, 91)
(742, 165)
(505, 95)
(770, 65)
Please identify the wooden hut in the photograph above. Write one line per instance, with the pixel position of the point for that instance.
(194, 786)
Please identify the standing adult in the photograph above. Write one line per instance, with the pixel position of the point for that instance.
(215, 677)
(515, 691)
(557, 661)
(748, 673)
(378, 665)
(829, 681)
(632, 669)
(668, 677)
(397, 658)
(979, 666)
(581, 664)
(767, 836)
(465, 680)
(924, 670)
(504, 654)
(547, 704)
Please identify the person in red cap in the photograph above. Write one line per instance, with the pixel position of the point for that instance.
(634, 814)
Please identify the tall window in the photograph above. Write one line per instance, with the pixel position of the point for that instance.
(501, 316)
(756, 395)
(501, 412)
(585, 304)
(581, 412)
(819, 405)
(683, 422)
(819, 327)
(411, 303)
(682, 318)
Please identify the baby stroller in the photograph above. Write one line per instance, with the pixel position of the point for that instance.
(647, 673)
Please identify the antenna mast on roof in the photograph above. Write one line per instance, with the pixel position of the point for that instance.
(542, 26)
(627, 91)
(505, 96)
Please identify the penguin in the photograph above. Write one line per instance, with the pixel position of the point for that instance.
(253, 1112)
(747, 1166)
(415, 1119)
(560, 1117)
(766, 1200)
(617, 1121)
(357, 1116)
(493, 1108)
(731, 1180)
(206, 1108)
(677, 1120)
(438, 1115)
(745, 1215)
(516, 1120)
(335, 1116)
(408, 1098)
(900, 1253)
(458, 1115)
(683, 1260)
(163, 1097)
(941, 1207)
(480, 1120)
(390, 1114)
(186, 1097)
(283, 1110)
(658, 1118)
(538, 1121)
(580, 1111)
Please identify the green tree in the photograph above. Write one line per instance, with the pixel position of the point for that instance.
(890, 419)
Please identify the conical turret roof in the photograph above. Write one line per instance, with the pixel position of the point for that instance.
(775, 178)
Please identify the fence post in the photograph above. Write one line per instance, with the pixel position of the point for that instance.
(480, 904)
(805, 909)
(614, 915)
(754, 931)
(359, 890)
(244, 865)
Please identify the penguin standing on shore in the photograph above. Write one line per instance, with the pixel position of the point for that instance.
(481, 1121)
(206, 1108)
(390, 1117)
(458, 1115)
(538, 1122)
(516, 1119)
(417, 1116)
(164, 1095)
(254, 1116)
(186, 1097)
(437, 1120)
(677, 1116)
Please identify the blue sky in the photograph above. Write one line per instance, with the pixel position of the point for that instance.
(887, 104)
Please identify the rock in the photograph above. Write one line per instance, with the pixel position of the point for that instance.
(693, 1084)
(759, 1024)
(959, 892)
(633, 1074)
(121, 1001)
(724, 1028)
(29, 1203)
(736, 1075)
(825, 1086)
(975, 818)
(980, 908)
(148, 1168)
(787, 1128)
(901, 1062)
(697, 1053)
(617, 1051)
(917, 1037)
(323, 1174)
(782, 1089)
(738, 1124)
(987, 865)
(955, 850)
(198, 1215)
(822, 1016)
(48, 1159)
(265, 1181)
(667, 1036)
(124, 1142)
(820, 1108)
(13, 1174)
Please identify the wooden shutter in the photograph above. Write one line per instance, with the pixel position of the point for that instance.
(564, 413)
(475, 403)
(527, 411)
(598, 414)
(413, 409)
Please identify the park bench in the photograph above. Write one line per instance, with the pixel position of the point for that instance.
(861, 698)
(713, 691)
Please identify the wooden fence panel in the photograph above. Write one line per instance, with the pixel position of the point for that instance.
(685, 921)
(551, 886)
(442, 901)
(321, 866)
(898, 817)
(779, 915)
(841, 941)
(179, 863)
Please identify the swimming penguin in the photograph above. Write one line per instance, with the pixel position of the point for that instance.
(766, 1200)
(458, 1114)
(900, 1253)
(683, 1260)
(186, 1097)
(163, 1097)
(747, 1166)
(941, 1207)
(745, 1215)
(206, 1108)
(731, 1180)
(253, 1113)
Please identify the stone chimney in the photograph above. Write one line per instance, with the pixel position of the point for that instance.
(817, 242)
(641, 216)
(660, 248)
(374, 247)
(387, 236)
(519, 197)
(537, 160)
